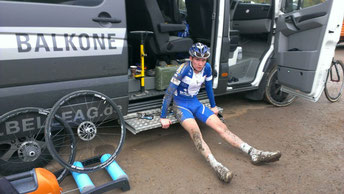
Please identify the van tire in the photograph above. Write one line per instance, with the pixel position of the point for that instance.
(273, 93)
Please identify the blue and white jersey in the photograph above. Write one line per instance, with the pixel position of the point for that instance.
(189, 82)
(185, 84)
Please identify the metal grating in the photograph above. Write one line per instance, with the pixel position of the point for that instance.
(135, 124)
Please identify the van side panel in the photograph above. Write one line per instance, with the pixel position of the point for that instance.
(50, 50)
(45, 95)
(37, 71)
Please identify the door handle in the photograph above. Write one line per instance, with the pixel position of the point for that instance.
(291, 19)
(111, 20)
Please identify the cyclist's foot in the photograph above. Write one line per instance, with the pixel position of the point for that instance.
(223, 173)
(260, 157)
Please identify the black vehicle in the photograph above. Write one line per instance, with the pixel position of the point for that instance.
(51, 48)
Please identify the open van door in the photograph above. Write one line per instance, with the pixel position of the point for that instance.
(306, 37)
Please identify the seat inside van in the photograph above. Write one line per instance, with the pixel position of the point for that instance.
(253, 22)
(249, 32)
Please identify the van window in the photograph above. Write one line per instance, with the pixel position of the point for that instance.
(182, 6)
(308, 3)
(292, 5)
(258, 1)
(66, 2)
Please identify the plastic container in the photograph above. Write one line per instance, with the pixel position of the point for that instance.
(163, 76)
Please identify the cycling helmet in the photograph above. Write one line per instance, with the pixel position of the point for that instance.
(199, 50)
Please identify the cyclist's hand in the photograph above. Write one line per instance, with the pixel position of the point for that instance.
(215, 110)
(165, 123)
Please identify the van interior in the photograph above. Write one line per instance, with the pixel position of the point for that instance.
(177, 24)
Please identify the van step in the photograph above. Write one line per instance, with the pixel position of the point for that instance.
(137, 106)
(150, 119)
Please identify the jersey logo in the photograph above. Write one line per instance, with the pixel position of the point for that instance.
(175, 81)
(180, 68)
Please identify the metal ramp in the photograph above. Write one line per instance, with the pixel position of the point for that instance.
(150, 119)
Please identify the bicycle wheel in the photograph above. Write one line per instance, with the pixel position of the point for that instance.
(97, 124)
(334, 82)
(22, 143)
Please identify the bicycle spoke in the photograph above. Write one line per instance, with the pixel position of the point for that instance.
(9, 153)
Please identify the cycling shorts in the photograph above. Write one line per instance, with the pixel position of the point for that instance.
(187, 108)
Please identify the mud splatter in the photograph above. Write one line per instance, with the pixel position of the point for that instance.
(259, 157)
(223, 173)
(232, 135)
(177, 113)
(196, 137)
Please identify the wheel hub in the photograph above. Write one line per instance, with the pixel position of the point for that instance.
(87, 130)
(29, 151)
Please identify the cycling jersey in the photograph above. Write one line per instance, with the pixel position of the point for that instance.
(184, 87)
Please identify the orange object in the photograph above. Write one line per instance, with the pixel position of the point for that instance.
(47, 182)
(342, 33)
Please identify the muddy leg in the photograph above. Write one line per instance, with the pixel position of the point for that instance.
(256, 156)
(215, 123)
(192, 128)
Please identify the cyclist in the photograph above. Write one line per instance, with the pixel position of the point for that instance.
(183, 88)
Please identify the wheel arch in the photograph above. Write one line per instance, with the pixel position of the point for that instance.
(258, 94)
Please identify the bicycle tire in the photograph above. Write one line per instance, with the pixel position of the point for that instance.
(332, 90)
(28, 149)
(88, 130)
(273, 93)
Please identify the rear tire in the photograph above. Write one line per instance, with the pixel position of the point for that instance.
(273, 93)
